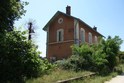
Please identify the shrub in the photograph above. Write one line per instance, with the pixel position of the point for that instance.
(118, 69)
(85, 58)
(72, 63)
(84, 52)
(111, 48)
(101, 57)
(19, 58)
(121, 57)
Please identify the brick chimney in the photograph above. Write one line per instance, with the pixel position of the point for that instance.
(95, 28)
(68, 10)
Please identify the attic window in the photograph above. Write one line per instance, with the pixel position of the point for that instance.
(60, 34)
(60, 20)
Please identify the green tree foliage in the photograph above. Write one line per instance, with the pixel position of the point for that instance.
(111, 48)
(19, 58)
(101, 57)
(92, 56)
(121, 56)
(85, 53)
(10, 10)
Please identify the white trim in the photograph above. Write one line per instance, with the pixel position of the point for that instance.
(62, 42)
(82, 35)
(96, 39)
(60, 35)
(60, 20)
(90, 37)
(76, 31)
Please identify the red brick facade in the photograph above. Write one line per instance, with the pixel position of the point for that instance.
(56, 49)
(70, 26)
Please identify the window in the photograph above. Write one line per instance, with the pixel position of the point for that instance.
(82, 35)
(60, 35)
(90, 38)
(76, 32)
(96, 39)
(60, 20)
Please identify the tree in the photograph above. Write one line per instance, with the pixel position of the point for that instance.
(19, 58)
(112, 48)
(10, 10)
(101, 57)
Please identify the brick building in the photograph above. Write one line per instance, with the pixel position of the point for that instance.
(64, 30)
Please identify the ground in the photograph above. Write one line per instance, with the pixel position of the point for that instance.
(117, 79)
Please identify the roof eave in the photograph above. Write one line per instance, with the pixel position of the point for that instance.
(58, 12)
(46, 26)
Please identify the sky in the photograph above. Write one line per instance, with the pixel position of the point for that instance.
(106, 15)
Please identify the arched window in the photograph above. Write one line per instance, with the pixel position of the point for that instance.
(96, 39)
(60, 35)
(90, 38)
(76, 32)
(82, 35)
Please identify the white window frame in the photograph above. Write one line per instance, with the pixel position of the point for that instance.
(82, 35)
(76, 32)
(96, 39)
(61, 36)
(90, 37)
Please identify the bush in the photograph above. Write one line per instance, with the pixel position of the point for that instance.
(19, 58)
(87, 58)
(111, 48)
(101, 57)
(118, 69)
(71, 63)
(121, 57)
(84, 53)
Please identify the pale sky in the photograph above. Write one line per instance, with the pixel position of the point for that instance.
(106, 15)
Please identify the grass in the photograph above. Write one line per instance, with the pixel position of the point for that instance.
(59, 74)
(56, 75)
(97, 79)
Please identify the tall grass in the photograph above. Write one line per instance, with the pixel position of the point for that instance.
(100, 78)
(96, 79)
(59, 74)
(56, 75)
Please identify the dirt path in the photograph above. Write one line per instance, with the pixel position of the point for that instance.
(117, 79)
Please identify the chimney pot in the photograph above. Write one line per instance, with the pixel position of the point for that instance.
(68, 10)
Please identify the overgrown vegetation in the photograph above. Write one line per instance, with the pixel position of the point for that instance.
(100, 78)
(121, 57)
(10, 10)
(97, 78)
(57, 75)
(19, 58)
(101, 57)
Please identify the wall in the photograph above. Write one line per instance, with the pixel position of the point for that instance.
(87, 30)
(61, 50)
